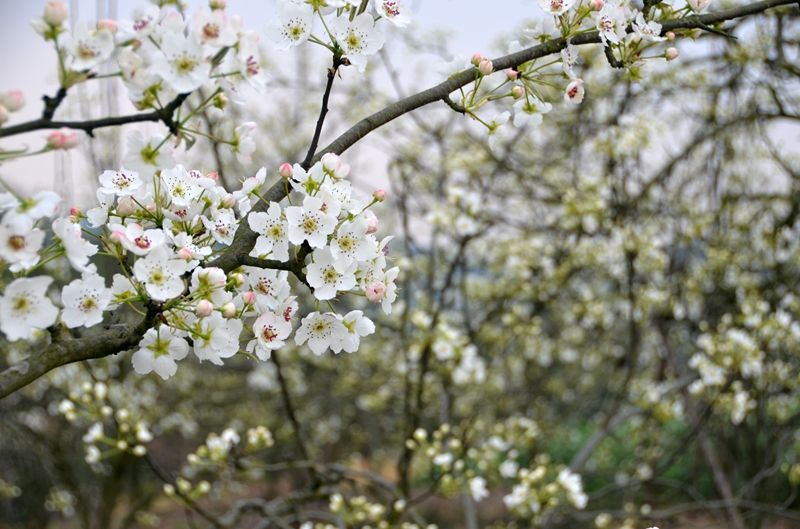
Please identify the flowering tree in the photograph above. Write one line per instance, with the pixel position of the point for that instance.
(170, 263)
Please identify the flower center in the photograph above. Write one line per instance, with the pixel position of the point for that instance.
(185, 64)
(21, 304)
(142, 241)
(211, 30)
(16, 242)
(309, 224)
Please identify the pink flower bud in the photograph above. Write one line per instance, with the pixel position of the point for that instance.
(213, 175)
(229, 200)
(286, 170)
(204, 308)
(229, 310)
(379, 195)
(215, 276)
(13, 100)
(597, 5)
(485, 67)
(517, 92)
(185, 254)
(3, 114)
(249, 297)
(55, 13)
(237, 279)
(74, 214)
(126, 206)
(670, 35)
(331, 162)
(216, 4)
(108, 24)
(671, 54)
(117, 236)
(376, 291)
(372, 222)
(476, 59)
(62, 139)
(512, 74)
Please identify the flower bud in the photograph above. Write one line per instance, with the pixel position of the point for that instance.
(372, 222)
(204, 308)
(597, 5)
(139, 450)
(216, 4)
(229, 200)
(62, 139)
(185, 254)
(375, 291)
(213, 175)
(108, 24)
(229, 310)
(512, 74)
(517, 92)
(237, 279)
(220, 101)
(379, 195)
(670, 35)
(476, 59)
(3, 114)
(126, 206)
(55, 13)
(485, 67)
(249, 297)
(671, 54)
(13, 100)
(331, 162)
(74, 214)
(286, 170)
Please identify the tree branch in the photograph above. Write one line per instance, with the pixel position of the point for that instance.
(323, 111)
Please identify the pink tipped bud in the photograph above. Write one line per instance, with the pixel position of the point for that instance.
(55, 13)
(3, 114)
(229, 200)
(476, 59)
(597, 5)
(13, 100)
(517, 92)
(286, 170)
(379, 195)
(249, 297)
(372, 222)
(215, 276)
(376, 291)
(237, 279)
(331, 162)
(671, 54)
(485, 67)
(512, 74)
(229, 310)
(185, 254)
(204, 308)
(62, 139)
(117, 236)
(216, 4)
(213, 175)
(670, 35)
(126, 206)
(108, 24)
(74, 213)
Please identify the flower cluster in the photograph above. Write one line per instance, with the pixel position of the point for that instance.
(162, 230)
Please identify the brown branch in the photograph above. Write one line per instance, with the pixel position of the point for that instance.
(323, 111)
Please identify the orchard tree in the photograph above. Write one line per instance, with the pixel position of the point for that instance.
(572, 326)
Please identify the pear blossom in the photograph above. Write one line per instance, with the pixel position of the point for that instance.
(270, 331)
(310, 223)
(328, 275)
(41, 204)
(213, 29)
(574, 92)
(270, 286)
(393, 11)
(358, 38)
(272, 232)
(77, 249)
(556, 7)
(529, 111)
(147, 155)
(352, 242)
(181, 188)
(698, 6)
(477, 488)
(25, 308)
(357, 325)
(321, 331)
(20, 242)
(292, 25)
(84, 301)
(222, 225)
(216, 338)
(88, 47)
(158, 351)
(121, 183)
(181, 63)
(160, 272)
(649, 30)
(611, 22)
(137, 240)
